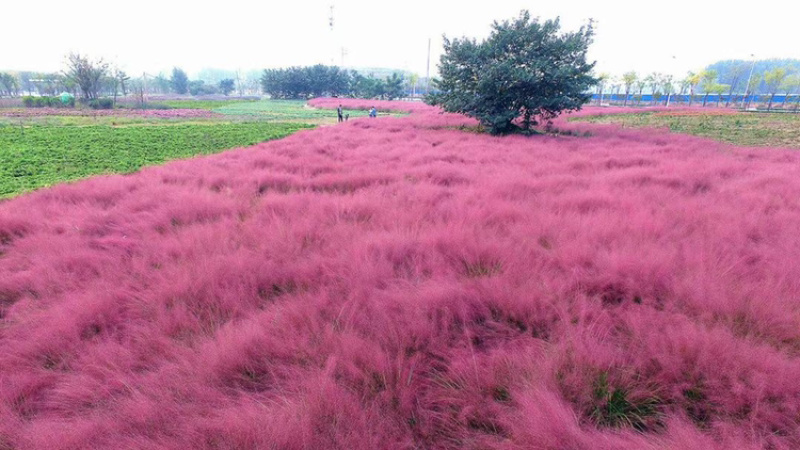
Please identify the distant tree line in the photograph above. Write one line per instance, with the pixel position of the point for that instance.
(320, 80)
(89, 80)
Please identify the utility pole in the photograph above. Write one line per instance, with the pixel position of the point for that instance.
(330, 23)
(144, 86)
(428, 70)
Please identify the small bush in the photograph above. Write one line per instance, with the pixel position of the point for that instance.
(28, 101)
(101, 103)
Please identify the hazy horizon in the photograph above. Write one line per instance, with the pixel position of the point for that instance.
(157, 36)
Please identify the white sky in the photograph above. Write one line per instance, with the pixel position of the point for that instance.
(155, 35)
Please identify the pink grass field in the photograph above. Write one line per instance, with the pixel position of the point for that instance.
(397, 283)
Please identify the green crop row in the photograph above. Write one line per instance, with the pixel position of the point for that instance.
(34, 157)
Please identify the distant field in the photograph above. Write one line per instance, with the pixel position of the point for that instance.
(761, 129)
(42, 147)
(201, 104)
(282, 110)
(38, 156)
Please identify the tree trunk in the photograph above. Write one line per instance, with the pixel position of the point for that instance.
(769, 105)
(625, 102)
(705, 100)
(691, 97)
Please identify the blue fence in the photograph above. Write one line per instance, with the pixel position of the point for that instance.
(712, 98)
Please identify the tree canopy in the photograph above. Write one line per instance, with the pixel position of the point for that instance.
(87, 74)
(320, 80)
(526, 68)
(179, 81)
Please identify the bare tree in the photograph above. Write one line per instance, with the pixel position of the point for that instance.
(654, 81)
(640, 85)
(87, 74)
(736, 75)
(628, 79)
(685, 83)
(718, 89)
(755, 81)
(123, 81)
(692, 80)
(602, 80)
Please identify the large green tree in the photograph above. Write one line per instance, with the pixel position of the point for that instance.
(526, 68)
(305, 82)
(226, 86)
(394, 86)
(179, 81)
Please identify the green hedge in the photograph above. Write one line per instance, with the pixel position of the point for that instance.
(47, 102)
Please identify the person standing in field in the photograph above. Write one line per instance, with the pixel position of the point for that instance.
(373, 112)
(339, 113)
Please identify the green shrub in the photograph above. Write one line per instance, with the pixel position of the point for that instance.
(41, 102)
(101, 103)
(28, 101)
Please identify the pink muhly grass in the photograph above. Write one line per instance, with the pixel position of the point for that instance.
(400, 283)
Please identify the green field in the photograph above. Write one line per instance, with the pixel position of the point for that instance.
(111, 121)
(200, 104)
(282, 110)
(266, 110)
(38, 156)
(40, 151)
(752, 129)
